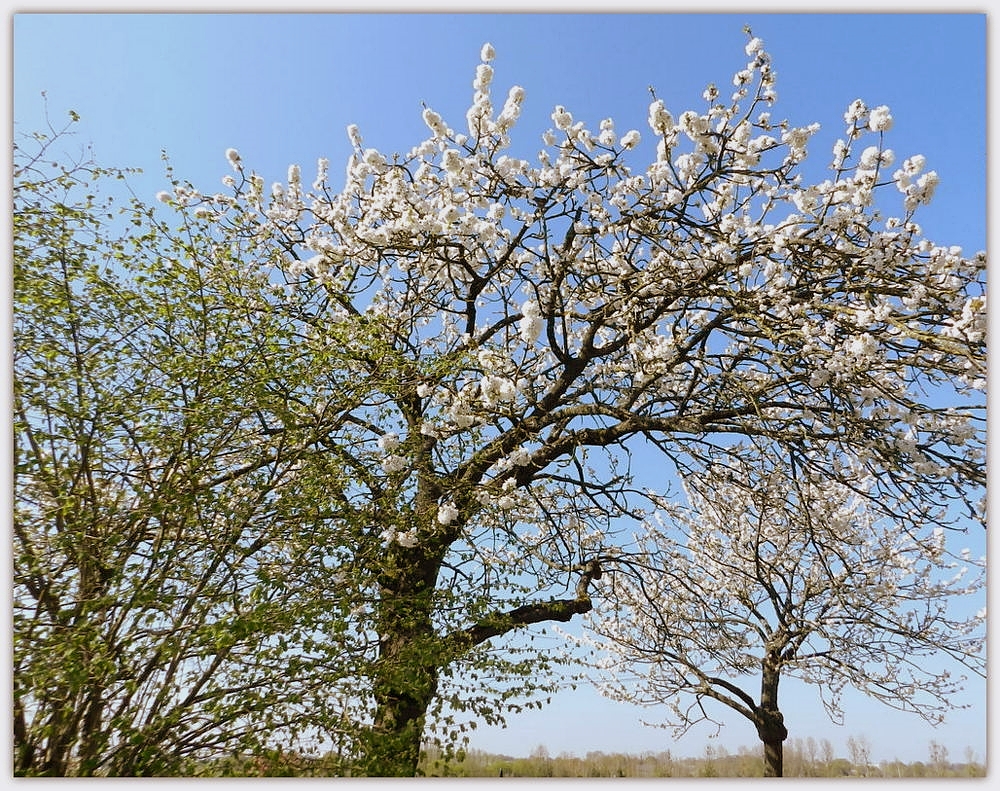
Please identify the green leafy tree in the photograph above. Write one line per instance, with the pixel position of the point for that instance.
(169, 541)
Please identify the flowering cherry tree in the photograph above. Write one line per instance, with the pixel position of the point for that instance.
(768, 574)
(516, 329)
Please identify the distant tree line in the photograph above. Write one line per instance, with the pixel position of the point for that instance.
(803, 758)
(807, 757)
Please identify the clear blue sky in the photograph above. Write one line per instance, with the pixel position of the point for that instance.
(282, 89)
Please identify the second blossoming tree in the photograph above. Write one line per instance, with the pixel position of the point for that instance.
(522, 327)
(771, 573)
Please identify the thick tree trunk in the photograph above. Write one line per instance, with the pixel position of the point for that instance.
(773, 755)
(769, 720)
(412, 654)
(402, 697)
(410, 657)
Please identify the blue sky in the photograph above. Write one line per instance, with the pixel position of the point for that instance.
(282, 89)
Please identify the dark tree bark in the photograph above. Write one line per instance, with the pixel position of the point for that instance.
(406, 673)
(768, 719)
(24, 750)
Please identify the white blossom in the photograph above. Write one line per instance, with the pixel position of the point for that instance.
(322, 171)
(393, 464)
(562, 118)
(496, 390)
(434, 122)
(531, 324)
(855, 112)
(630, 139)
(447, 513)
(389, 442)
(660, 120)
(407, 538)
(926, 185)
(880, 119)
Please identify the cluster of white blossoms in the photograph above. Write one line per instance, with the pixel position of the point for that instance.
(971, 325)
(880, 119)
(447, 513)
(494, 390)
(405, 538)
(389, 442)
(435, 123)
(391, 462)
(660, 120)
(916, 186)
(530, 326)
(562, 119)
(479, 116)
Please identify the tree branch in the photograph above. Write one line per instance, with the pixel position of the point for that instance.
(563, 610)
